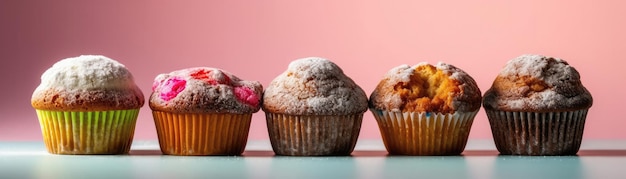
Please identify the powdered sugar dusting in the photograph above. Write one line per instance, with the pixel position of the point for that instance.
(468, 86)
(205, 90)
(453, 72)
(314, 86)
(382, 97)
(551, 70)
(536, 82)
(86, 72)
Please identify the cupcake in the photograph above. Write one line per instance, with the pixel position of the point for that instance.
(425, 109)
(537, 106)
(87, 105)
(313, 109)
(203, 111)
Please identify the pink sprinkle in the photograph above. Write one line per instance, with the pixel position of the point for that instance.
(200, 74)
(172, 87)
(246, 95)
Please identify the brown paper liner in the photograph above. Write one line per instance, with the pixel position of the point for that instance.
(202, 134)
(92, 132)
(421, 133)
(537, 133)
(313, 135)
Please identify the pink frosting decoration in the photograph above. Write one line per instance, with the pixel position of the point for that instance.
(172, 87)
(203, 74)
(246, 95)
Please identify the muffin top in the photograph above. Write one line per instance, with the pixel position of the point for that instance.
(314, 86)
(537, 83)
(87, 83)
(426, 88)
(204, 90)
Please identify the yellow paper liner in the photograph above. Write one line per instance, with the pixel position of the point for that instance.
(202, 134)
(94, 132)
(313, 135)
(537, 133)
(421, 133)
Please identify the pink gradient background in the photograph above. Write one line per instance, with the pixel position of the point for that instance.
(257, 39)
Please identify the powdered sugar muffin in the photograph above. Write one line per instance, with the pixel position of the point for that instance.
(537, 106)
(425, 109)
(87, 105)
(203, 111)
(313, 108)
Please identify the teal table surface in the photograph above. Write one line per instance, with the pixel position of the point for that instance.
(597, 159)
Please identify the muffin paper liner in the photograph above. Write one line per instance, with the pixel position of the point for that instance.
(202, 134)
(424, 133)
(537, 133)
(92, 132)
(313, 135)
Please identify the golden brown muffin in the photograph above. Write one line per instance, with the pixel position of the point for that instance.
(544, 94)
(425, 109)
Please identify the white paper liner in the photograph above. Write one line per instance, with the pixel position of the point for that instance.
(422, 133)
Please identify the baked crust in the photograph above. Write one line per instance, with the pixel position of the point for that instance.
(536, 83)
(426, 88)
(204, 90)
(314, 86)
(87, 83)
(92, 100)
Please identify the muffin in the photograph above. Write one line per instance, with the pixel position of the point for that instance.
(425, 109)
(313, 109)
(87, 105)
(537, 106)
(203, 111)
